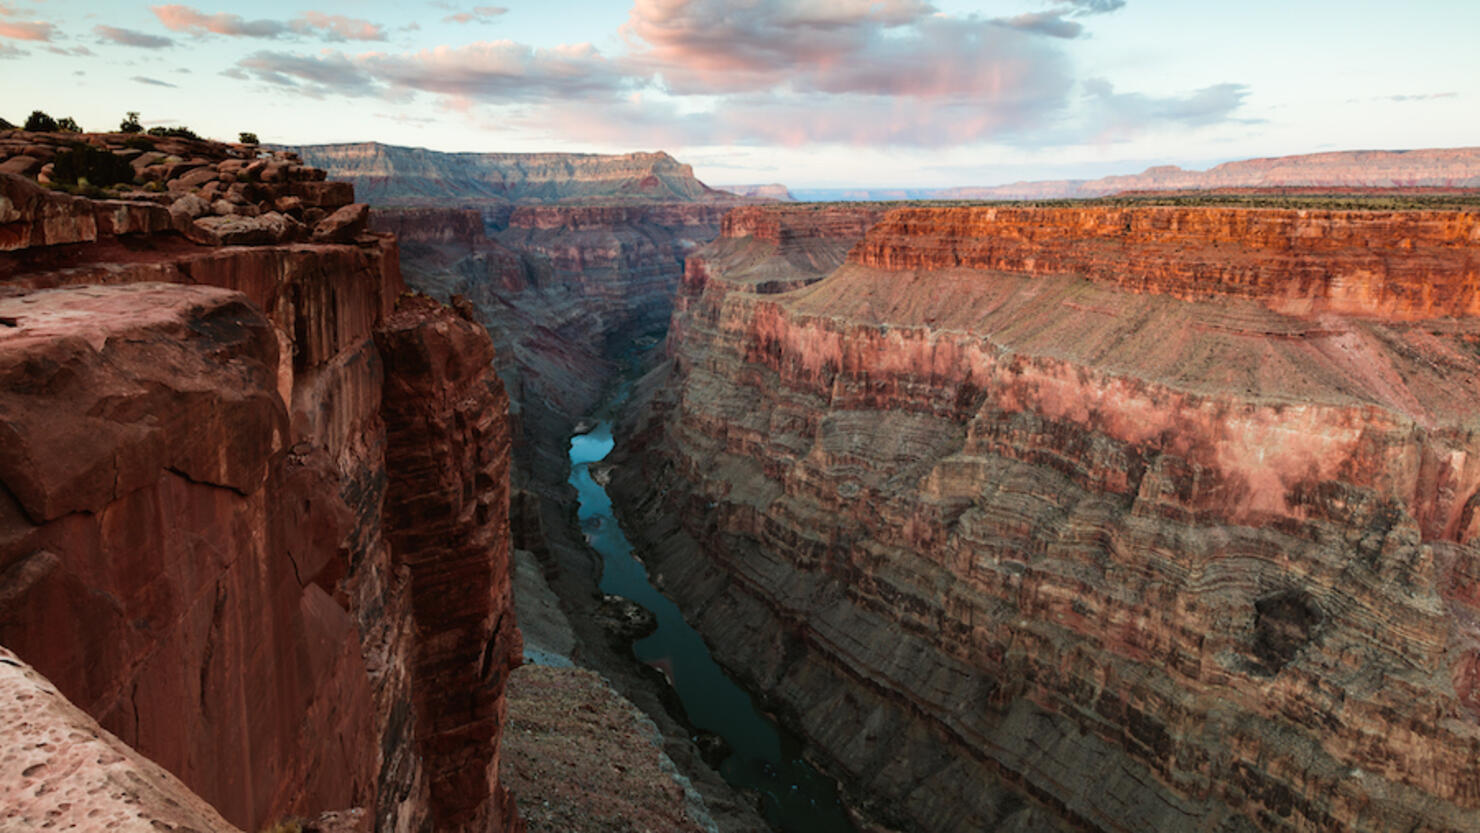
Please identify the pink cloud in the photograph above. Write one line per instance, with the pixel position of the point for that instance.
(35, 30)
(185, 19)
(337, 26)
(330, 27)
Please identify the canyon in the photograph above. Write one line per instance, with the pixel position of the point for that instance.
(1104, 517)
(1084, 518)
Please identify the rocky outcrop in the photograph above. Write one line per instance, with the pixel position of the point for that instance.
(1435, 167)
(61, 769)
(1045, 519)
(205, 542)
(391, 175)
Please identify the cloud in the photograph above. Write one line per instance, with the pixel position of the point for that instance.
(1118, 115)
(129, 37)
(1043, 23)
(338, 27)
(7, 52)
(75, 51)
(1417, 97)
(775, 72)
(317, 76)
(185, 19)
(501, 71)
(153, 81)
(35, 30)
(479, 14)
(709, 45)
(329, 27)
(1084, 7)
(495, 72)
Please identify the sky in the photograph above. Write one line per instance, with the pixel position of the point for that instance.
(809, 93)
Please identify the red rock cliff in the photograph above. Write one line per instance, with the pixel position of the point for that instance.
(1394, 264)
(196, 543)
(1037, 522)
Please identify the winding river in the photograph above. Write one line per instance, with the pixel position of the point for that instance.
(766, 759)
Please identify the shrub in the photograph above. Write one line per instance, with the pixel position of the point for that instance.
(248, 138)
(39, 122)
(130, 123)
(86, 165)
(5, 125)
(177, 132)
(67, 124)
(139, 142)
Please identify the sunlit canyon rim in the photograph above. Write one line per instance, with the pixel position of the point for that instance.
(1099, 516)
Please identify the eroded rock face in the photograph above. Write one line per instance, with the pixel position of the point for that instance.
(194, 532)
(447, 513)
(1029, 536)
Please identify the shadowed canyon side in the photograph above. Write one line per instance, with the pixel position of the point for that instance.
(1086, 518)
(241, 483)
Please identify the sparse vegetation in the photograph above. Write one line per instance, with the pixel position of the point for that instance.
(176, 132)
(139, 142)
(5, 125)
(288, 825)
(130, 123)
(248, 138)
(86, 165)
(67, 124)
(40, 122)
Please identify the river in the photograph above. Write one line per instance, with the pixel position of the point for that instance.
(766, 759)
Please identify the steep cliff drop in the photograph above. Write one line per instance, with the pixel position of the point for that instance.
(1086, 518)
(241, 487)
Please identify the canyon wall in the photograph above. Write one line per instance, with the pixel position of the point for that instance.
(1114, 520)
(254, 513)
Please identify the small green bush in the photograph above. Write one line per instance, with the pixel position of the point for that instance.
(130, 123)
(39, 122)
(248, 138)
(5, 125)
(67, 124)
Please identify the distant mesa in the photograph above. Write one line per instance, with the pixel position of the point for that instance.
(392, 175)
(1431, 168)
(772, 191)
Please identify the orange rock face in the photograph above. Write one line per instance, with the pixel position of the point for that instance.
(196, 540)
(1117, 520)
(1406, 264)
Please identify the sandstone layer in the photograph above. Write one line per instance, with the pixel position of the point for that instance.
(1156, 519)
(215, 534)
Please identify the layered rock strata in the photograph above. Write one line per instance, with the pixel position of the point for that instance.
(205, 539)
(1159, 519)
